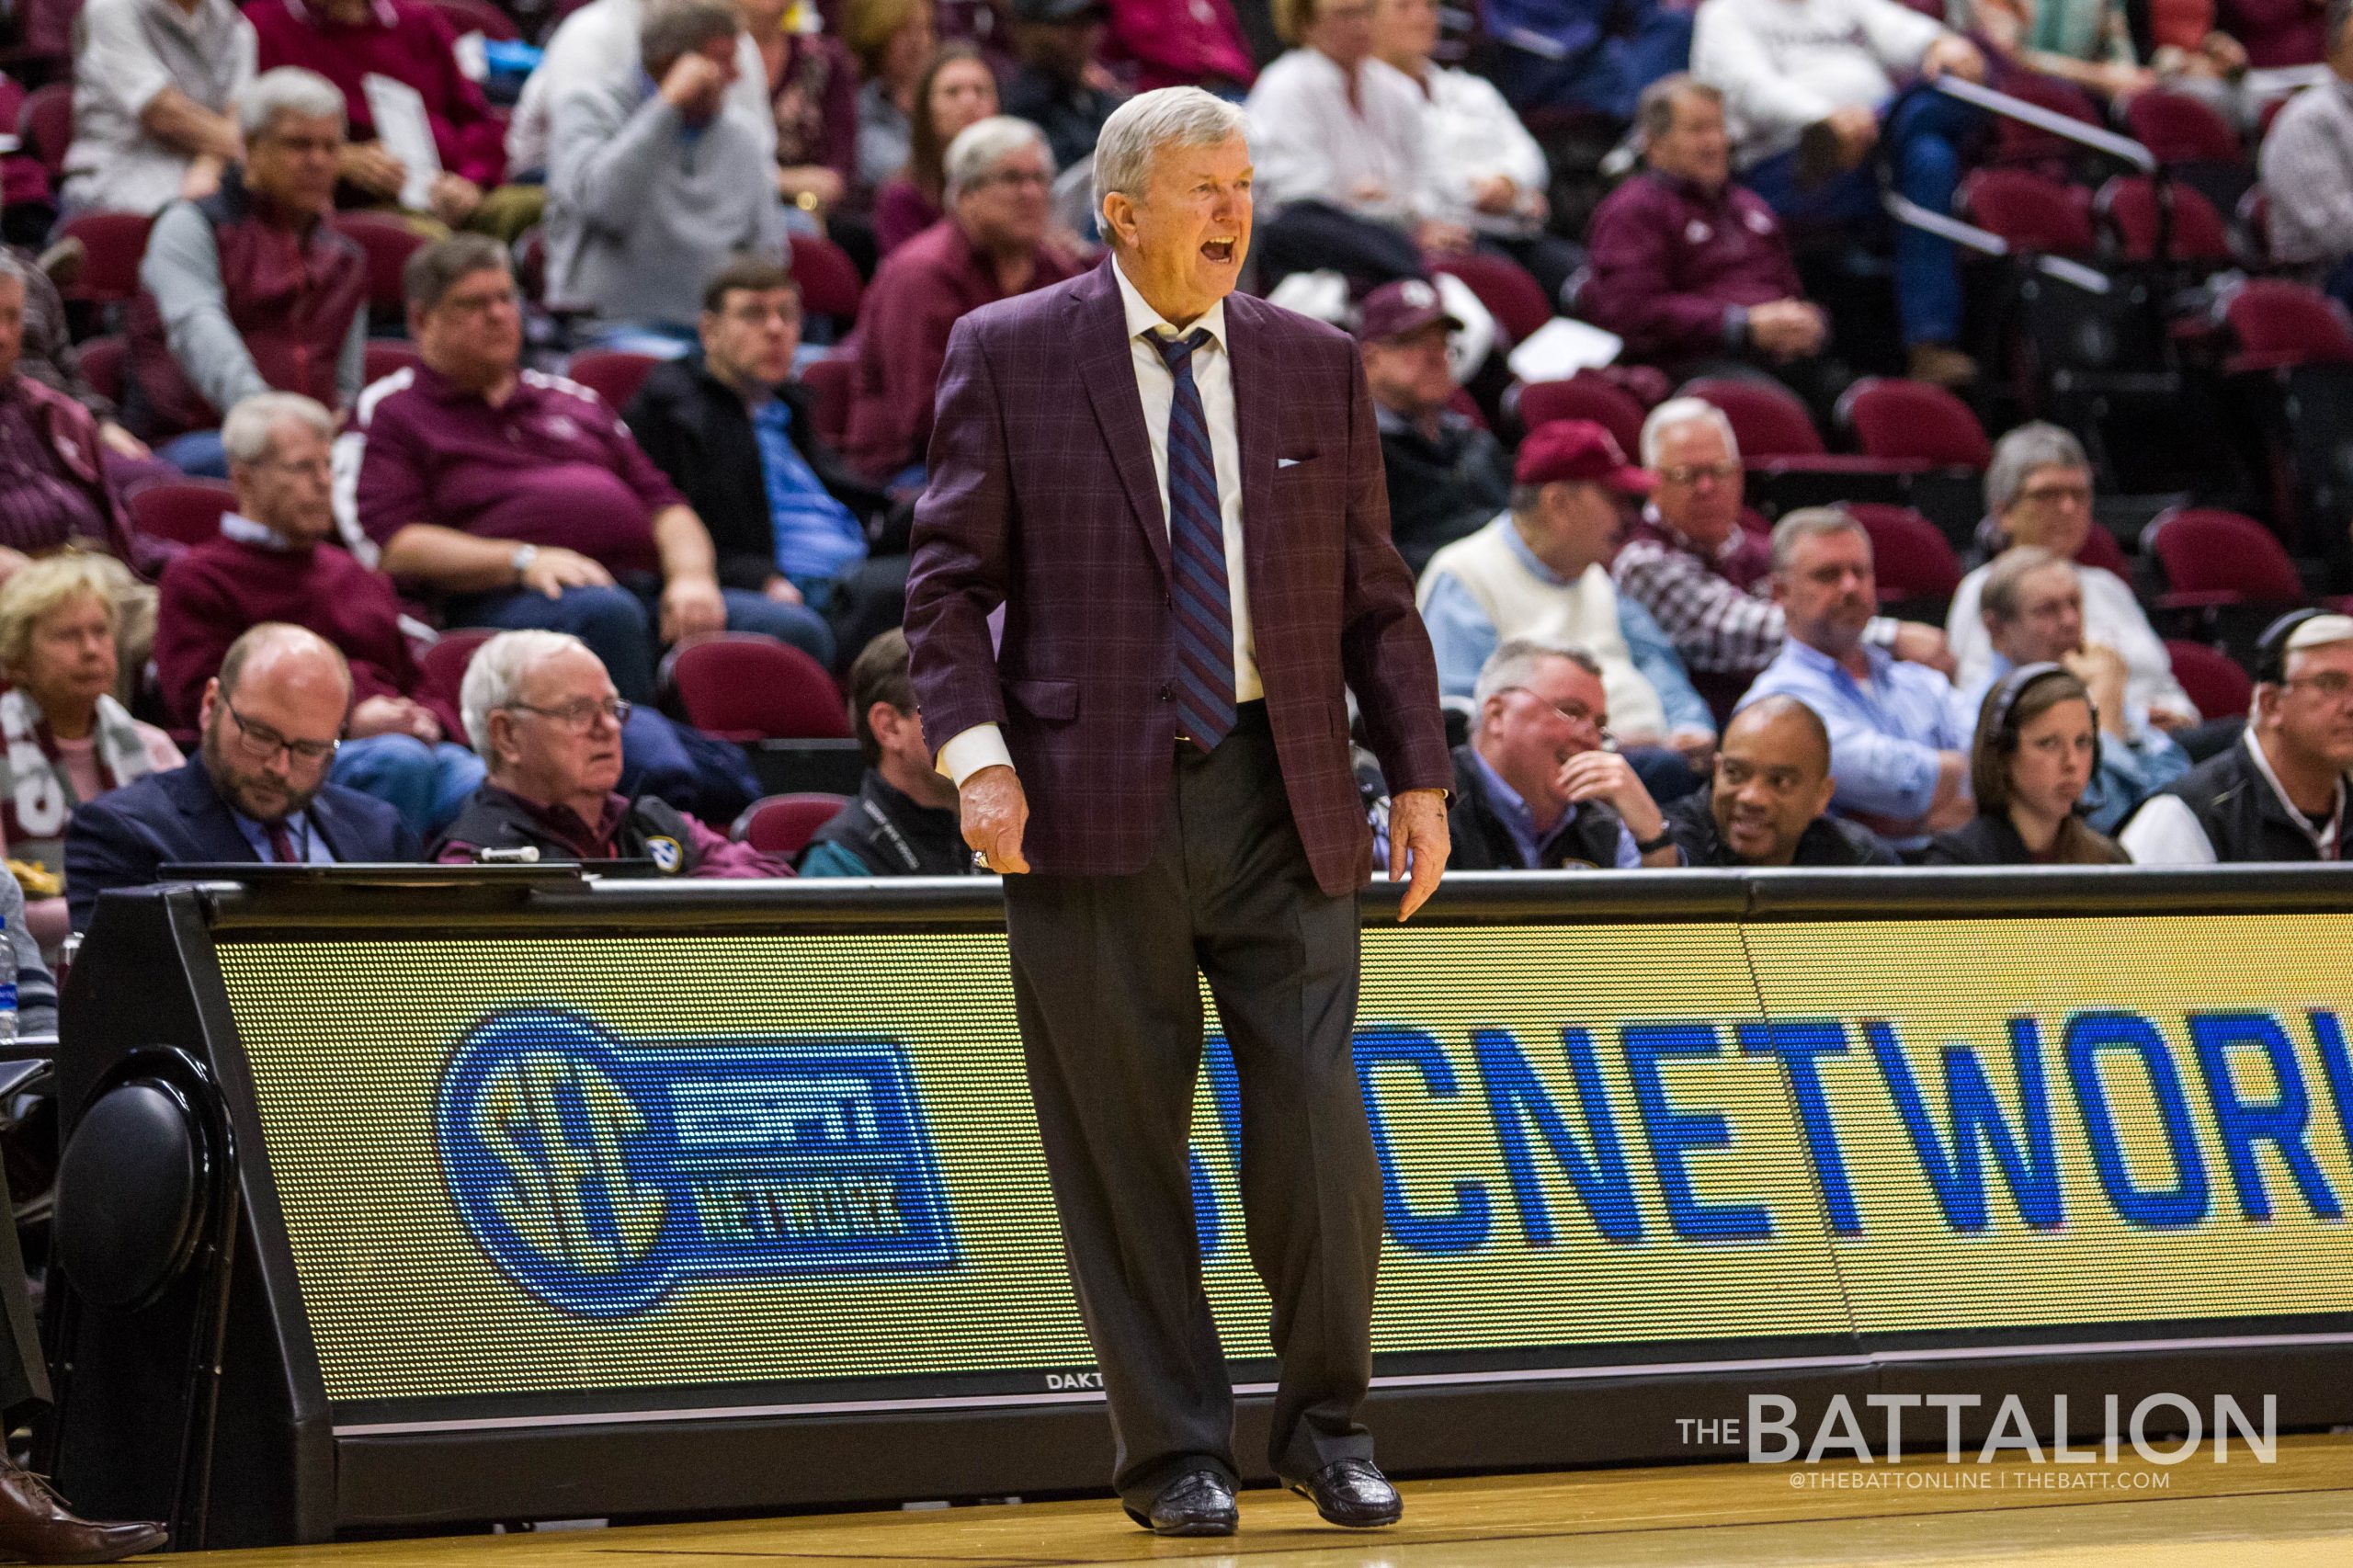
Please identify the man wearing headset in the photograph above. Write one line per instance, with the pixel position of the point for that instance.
(2280, 794)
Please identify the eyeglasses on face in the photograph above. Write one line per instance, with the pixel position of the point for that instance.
(259, 743)
(581, 715)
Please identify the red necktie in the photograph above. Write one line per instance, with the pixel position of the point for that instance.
(282, 846)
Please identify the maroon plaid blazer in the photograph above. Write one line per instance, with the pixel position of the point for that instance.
(1043, 499)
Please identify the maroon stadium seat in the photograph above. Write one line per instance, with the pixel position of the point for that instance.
(46, 126)
(385, 356)
(1914, 421)
(1517, 300)
(2033, 213)
(1585, 396)
(783, 824)
(103, 361)
(2279, 324)
(2197, 236)
(2018, 143)
(744, 687)
(1909, 554)
(1767, 420)
(389, 244)
(441, 668)
(2212, 679)
(2213, 557)
(115, 242)
(481, 17)
(828, 280)
(828, 382)
(2178, 128)
(612, 374)
(186, 513)
(2100, 549)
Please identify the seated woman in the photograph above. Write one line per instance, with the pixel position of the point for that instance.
(956, 91)
(2091, 43)
(67, 739)
(2037, 741)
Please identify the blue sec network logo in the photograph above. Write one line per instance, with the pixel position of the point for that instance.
(598, 1175)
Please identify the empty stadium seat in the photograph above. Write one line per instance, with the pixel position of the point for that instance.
(744, 687)
(1910, 556)
(829, 283)
(2032, 212)
(2178, 128)
(1585, 396)
(1516, 300)
(1914, 421)
(2214, 558)
(1767, 419)
(185, 514)
(2212, 677)
(441, 667)
(104, 361)
(783, 824)
(2278, 324)
(612, 374)
(1786, 462)
(2195, 237)
(113, 242)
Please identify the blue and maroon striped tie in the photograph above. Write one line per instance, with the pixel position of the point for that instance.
(1197, 545)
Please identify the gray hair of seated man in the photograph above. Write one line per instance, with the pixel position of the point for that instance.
(289, 89)
(676, 29)
(1166, 117)
(1518, 660)
(1676, 412)
(494, 679)
(1811, 522)
(2018, 455)
(245, 435)
(1998, 596)
(983, 144)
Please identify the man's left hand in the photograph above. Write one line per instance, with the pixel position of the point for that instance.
(692, 606)
(1417, 838)
(780, 588)
(454, 198)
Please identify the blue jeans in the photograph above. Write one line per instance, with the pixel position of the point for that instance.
(427, 784)
(1606, 77)
(618, 624)
(198, 454)
(1921, 134)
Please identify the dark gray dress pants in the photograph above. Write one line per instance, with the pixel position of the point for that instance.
(1105, 982)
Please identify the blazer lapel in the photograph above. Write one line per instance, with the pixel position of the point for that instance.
(1254, 421)
(1108, 368)
(209, 815)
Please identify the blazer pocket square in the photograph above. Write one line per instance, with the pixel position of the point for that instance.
(1288, 462)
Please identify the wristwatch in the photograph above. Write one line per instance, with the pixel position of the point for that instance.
(522, 558)
(1653, 845)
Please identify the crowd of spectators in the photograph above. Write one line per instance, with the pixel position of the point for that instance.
(1647, 673)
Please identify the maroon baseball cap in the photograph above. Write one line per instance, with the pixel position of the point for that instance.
(1578, 451)
(1396, 309)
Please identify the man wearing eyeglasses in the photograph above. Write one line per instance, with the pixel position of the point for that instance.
(257, 788)
(544, 715)
(2282, 794)
(990, 245)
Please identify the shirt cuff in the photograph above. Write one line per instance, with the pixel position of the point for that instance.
(981, 746)
(1880, 633)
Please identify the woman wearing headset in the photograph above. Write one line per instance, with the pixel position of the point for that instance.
(2038, 744)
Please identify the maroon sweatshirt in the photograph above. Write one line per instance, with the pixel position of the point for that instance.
(1674, 269)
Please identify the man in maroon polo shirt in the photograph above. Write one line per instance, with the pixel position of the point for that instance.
(523, 501)
(1687, 266)
(991, 246)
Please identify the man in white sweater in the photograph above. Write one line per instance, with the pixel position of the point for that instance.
(1810, 94)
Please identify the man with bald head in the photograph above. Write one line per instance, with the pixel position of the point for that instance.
(1765, 804)
(257, 788)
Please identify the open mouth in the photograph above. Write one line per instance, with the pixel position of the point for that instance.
(1219, 252)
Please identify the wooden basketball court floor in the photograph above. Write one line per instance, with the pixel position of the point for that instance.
(2296, 1511)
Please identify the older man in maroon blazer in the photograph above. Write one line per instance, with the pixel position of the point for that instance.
(1175, 495)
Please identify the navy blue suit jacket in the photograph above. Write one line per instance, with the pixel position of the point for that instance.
(120, 838)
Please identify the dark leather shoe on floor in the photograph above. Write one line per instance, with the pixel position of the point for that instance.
(1197, 1503)
(1352, 1493)
(36, 1525)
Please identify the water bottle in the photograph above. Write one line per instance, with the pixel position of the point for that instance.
(8, 986)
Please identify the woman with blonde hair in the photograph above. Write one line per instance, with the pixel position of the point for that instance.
(67, 740)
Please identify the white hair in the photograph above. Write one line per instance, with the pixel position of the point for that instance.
(289, 89)
(246, 434)
(494, 679)
(983, 144)
(1516, 662)
(1181, 117)
(2017, 456)
(1676, 412)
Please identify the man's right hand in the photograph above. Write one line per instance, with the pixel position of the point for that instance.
(555, 569)
(695, 85)
(1918, 643)
(994, 812)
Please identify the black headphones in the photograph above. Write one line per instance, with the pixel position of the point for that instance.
(2271, 648)
(2014, 686)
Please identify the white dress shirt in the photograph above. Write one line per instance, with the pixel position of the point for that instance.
(1310, 142)
(2112, 616)
(983, 745)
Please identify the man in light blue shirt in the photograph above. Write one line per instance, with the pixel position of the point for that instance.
(2032, 608)
(1899, 734)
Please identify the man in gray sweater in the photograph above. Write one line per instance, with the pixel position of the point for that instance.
(651, 187)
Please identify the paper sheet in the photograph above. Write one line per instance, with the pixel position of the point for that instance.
(407, 132)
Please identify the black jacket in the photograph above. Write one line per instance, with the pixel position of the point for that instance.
(1443, 490)
(893, 836)
(1482, 843)
(1983, 840)
(2242, 813)
(1825, 842)
(699, 431)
